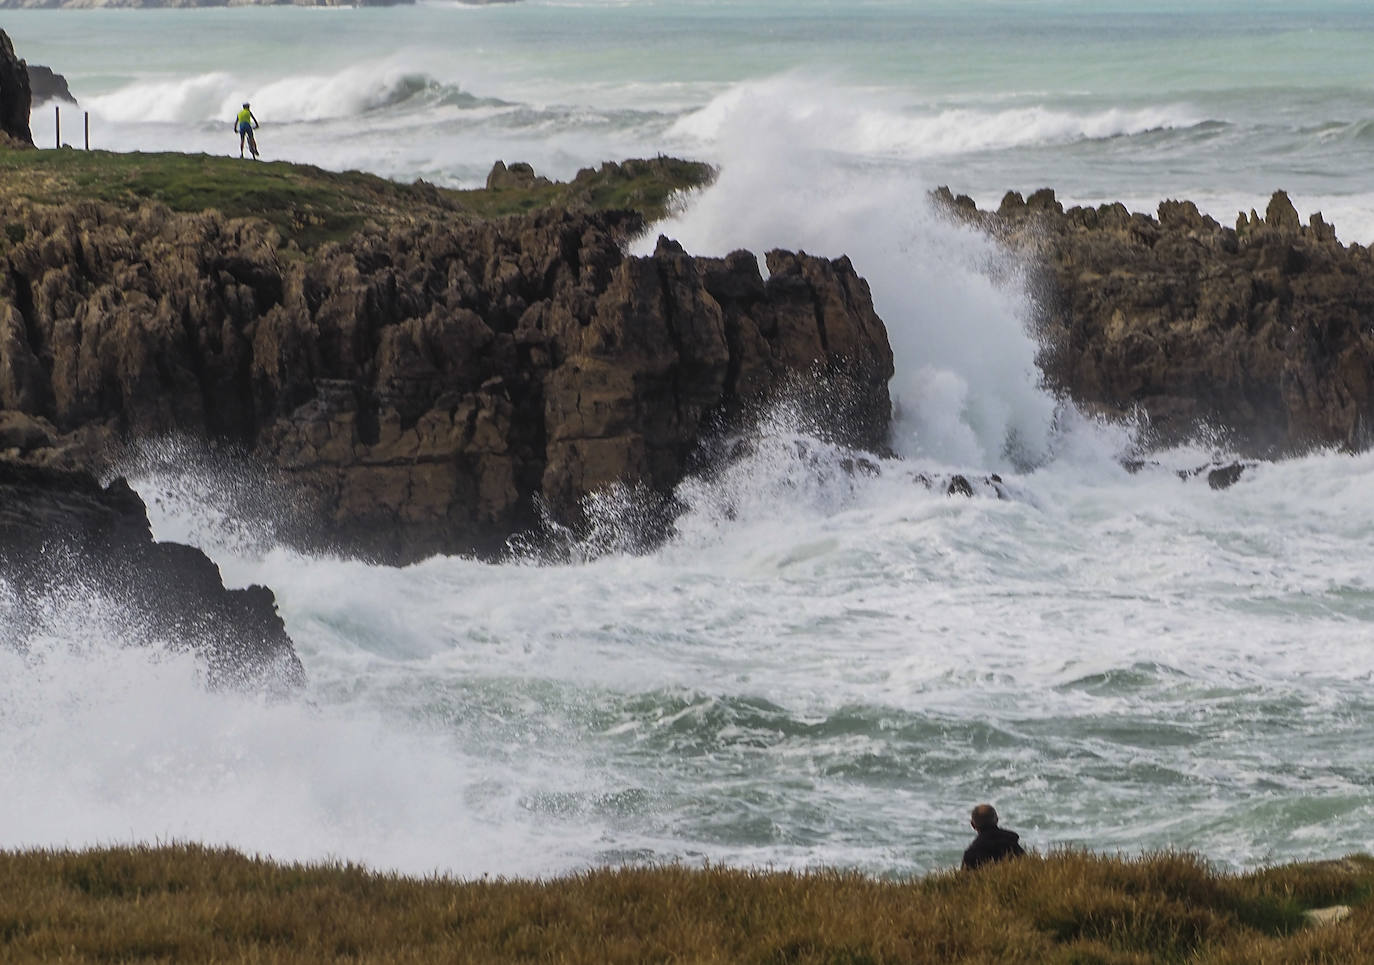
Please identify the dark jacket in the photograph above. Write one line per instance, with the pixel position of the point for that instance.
(992, 844)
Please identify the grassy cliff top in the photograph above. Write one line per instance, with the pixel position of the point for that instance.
(310, 205)
(189, 903)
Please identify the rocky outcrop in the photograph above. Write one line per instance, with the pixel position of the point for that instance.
(45, 85)
(14, 94)
(422, 387)
(62, 532)
(1264, 330)
(519, 174)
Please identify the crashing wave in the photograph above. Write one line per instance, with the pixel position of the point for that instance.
(300, 97)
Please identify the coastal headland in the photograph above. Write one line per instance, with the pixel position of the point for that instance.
(419, 372)
(408, 370)
(190, 903)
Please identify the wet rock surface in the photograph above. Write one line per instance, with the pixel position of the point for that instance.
(1263, 330)
(423, 387)
(65, 539)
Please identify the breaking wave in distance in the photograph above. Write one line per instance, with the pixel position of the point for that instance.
(217, 96)
(868, 123)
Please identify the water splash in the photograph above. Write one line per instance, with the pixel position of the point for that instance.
(967, 388)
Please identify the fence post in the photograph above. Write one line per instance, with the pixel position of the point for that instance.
(88, 130)
(57, 125)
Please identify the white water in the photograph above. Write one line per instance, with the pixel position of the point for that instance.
(819, 669)
(829, 677)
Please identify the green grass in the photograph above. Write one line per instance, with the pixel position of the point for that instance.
(309, 205)
(189, 903)
(646, 186)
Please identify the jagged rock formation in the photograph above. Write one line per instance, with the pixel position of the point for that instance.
(1264, 330)
(14, 95)
(519, 174)
(421, 386)
(62, 531)
(45, 85)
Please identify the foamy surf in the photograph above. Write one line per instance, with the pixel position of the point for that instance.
(817, 669)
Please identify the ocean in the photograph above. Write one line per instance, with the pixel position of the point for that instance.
(818, 669)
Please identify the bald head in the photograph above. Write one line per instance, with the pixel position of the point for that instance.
(984, 817)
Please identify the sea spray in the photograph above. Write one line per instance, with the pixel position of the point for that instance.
(966, 389)
(200, 98)
(112, 737)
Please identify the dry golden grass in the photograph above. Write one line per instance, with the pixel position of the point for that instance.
(195, 904)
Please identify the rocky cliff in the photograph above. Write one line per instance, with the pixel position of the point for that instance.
(14, 96)
(1263, 331)
(61, 533)
(425, 385)
(45, 85)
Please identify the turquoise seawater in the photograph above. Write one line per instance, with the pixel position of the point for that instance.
(818, 669)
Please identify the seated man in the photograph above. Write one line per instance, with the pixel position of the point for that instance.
(993, 843)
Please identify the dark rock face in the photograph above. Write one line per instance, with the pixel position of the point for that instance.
(1265, 330)
(58, 529)
(44, 85)
(14, 93)
(959, 486)
(518, 175)
(418, 387)
(1226, 476)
